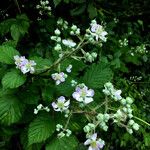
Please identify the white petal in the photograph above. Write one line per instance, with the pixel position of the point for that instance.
(94, 136)
(58, 82)
(76, 95)
(61, 99)
(87, 142)
(88, 100)
(90, 92)
(54, 105)
(90, 148)
(67, 103)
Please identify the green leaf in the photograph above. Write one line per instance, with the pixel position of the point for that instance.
(97, 75)
(147, 139)
(41, 129)
(65, 143)
(56, 2)
(7, 54)
(5, 26)
(92, 11)
(13, 79)
(41, 64)
(11, 109)
(15, 32)
(78, 10)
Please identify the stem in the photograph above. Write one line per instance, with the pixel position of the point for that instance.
(68, 121)
(81, 44)
(106, 104)
(17, 4)
(99, 106)
(141, 120)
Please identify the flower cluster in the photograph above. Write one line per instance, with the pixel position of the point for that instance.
(73, 83)
(127, 106)
(103, 119)
(61, 105)
(123, 42)
(90, 57)
(59, 77)
(75, 30)
(64, 132)
(96, 32)
(24, 64)
(41, 107)
(132, 125)
(111, 91)
(89, 128)
(94, 143)
(141, 49)
(83, 94)
(62, 23)
(44, 7)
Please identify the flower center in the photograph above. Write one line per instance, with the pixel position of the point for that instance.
(83, 93)
(60, 105)
(93, 144)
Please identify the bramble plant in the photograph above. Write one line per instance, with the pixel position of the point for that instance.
(66, 85)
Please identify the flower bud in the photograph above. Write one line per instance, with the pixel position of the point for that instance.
(57, 32)
(136, 126)
(129, 100)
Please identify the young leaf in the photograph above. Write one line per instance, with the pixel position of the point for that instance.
(13, 79)
(40, 129)
(97, 75)
(11, 109)
(7, 54)
(65, 143)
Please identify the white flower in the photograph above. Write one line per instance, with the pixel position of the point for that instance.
(98, 31)
(68, 69)
(95, 144)
(24, 65)
(69, 43)
(28, 67)
(59, 77)
(61, 104)
(82, 94)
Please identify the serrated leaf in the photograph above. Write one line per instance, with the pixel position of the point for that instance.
(13, 79)
(10, 109)
(40, 129)
(7, 54)
(97, 75)
(5, 26)
(92, 11)
(65, 88)
(78, 10)
(56, 2)
(41, 63)
(65, 143)
(15, 32)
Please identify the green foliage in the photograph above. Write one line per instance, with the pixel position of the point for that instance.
(7, 54)
(11, 109)
(27, 31)
(40, 129)
(97, 75)
(13, 79)
(67, 143)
